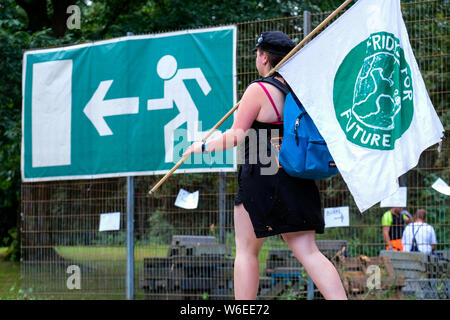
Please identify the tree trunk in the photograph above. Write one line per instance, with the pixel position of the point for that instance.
(60, 16)
(39, 19)
(37, 13)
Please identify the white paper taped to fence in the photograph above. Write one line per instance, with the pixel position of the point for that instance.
(187, 200)
(337, 217)
(109, 221)
(441, 186)
(398, 199)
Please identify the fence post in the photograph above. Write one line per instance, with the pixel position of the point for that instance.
(306, 23)
(222, 207)
(130, 233)
(130, 238)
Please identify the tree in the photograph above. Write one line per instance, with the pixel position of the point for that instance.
(39, 17)
(16, 34)
(10, 99)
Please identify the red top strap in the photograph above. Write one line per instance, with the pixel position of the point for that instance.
(273, 103)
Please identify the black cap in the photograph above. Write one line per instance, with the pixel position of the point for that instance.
(275, 42)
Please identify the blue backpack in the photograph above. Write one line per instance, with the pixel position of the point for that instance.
(303, 153)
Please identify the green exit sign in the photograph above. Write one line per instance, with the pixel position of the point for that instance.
(127, 106)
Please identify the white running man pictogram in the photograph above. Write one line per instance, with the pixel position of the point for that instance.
(175, 91)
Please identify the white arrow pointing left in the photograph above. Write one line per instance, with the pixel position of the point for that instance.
(97, 108)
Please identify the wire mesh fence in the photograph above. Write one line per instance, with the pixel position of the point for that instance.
(188, 254)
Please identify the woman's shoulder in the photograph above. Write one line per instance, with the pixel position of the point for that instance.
(253, 88)
(258, 90)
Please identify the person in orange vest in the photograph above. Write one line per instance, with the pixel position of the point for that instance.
(393, 223)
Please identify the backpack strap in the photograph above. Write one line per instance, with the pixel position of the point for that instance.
(285, 89)
(277, 83)
(280, 85)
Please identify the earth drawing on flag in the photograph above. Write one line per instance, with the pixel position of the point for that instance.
(376, 99)
(380, 108)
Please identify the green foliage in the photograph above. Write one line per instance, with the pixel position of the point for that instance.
(9, 278)
(10, 99)
(13, 251)
(161, 231)
(17, 293)
(14, 39)
(295, 290)
(110, 238)
(113, 18)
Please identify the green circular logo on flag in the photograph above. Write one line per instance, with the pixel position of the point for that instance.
(373, 93)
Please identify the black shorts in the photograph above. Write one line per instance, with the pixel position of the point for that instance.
(279, 203)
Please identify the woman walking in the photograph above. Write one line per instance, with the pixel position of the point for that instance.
(270, 202)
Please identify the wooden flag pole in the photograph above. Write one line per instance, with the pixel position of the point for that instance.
(309, 36)
(271, 72)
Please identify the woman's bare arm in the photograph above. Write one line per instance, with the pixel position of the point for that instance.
(248, 110)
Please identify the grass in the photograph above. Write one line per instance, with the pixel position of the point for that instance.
(111, 253)
(9, 278)
(103, 256)
(109, 261)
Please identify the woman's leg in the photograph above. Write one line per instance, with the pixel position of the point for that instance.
(246, 267)
(319, 268)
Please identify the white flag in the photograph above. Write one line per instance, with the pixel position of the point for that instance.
(361, 85)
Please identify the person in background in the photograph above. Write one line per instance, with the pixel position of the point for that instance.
(422, 232)
(393, 223)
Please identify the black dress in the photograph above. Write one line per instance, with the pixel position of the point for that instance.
(276, 202)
